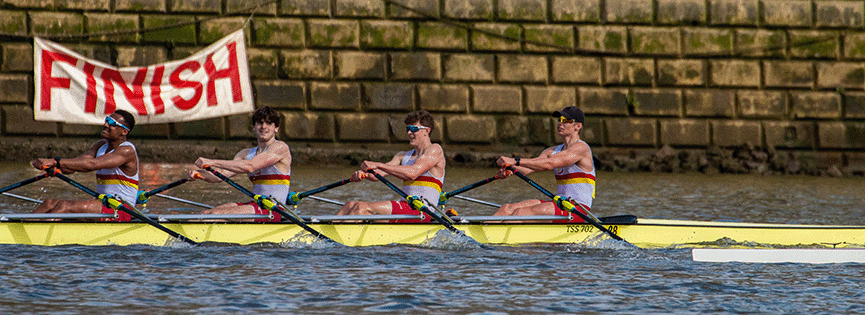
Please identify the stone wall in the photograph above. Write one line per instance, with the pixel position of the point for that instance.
(691, 74)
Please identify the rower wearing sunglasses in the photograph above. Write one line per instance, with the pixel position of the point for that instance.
(116, 164)
(421, 169)
(571, 162)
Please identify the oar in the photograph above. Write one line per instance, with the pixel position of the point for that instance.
(336, 202)
(419, 205)
(443, 198)
(294, 197)
(486, 203)
(269, 204)
(22, 197)
(566, 204)
(185, 201)
(116, 204)
(22, 183)
(144, 195)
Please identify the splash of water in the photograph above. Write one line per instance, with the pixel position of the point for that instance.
(304, 240)
(444, 239)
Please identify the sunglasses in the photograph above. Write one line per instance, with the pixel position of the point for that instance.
(113, 123)
(564, 120)
(414, 128)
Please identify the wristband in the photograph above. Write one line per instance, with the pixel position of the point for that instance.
(517, 159)
(57, 164)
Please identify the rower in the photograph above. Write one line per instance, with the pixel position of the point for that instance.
(422, 170)
(116, 164)
(267, 165)
(571, 163)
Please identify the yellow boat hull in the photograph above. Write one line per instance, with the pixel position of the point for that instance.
(646, 233)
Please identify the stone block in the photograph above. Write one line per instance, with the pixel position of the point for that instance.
(557, 38)
(259, 9)
(629, 71)
(761, 43)
(821, 105)
(470, 129)
(196, 6)
(305, 7)
(333, 33)
(359, 65)
(280, 94)
(240, 126)
(263, 63)
(603, 39)
(335, 96)
(415, 66)
(711, 42)
(91, 130)
(213, 128)
(16, 57)
(629, 11)
(185, 34)
(709, 103)
(140, 56)
(849, 75)
(435, 35)
(654, 40)
(512, 130)
(213, 30)
(387, 97)
(734, 73)
(854, 105)
(576, 10)
(732, 133)
(854, 45)
(306, 64)
(482, 41)
(576, 70)
(308, 126)
(847, 14)
(443, 97)
(469, 9)
(762, 104)
(19, 121)
(734, 12)
(386, 34)
(521, 10)
(789, 74)
(522, 68)
(681, 72)
(141, 5)
(604, 101)
(632, 131)
(814, 44)
(547, 99)
(685, 132)
(107, 22)
(14, 22)
(657, 102)
(86, 5)
(53, 23)
(540, 130)
(789, 13)
(279, 32)
(15, 88)
(469, 67)
(362, 127)
(496, 99)
(841, 135)
(679, 12)
(790, 134)
(593, 131)
(396, 8)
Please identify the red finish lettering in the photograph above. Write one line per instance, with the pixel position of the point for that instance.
(91, 97)
(179, 83)
(135, 95)
(232, 72)
(49, 82)
(156, 90)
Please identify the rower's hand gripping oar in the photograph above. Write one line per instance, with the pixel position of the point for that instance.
(112, 202)
(444, 197)
(566, 205)
(294, 197)
(416, 204)
(269, 203)
(143, 196)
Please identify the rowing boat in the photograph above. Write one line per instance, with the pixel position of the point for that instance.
(641, 232)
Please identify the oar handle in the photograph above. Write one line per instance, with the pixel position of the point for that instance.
(294, 198)
(171, 185)
(228, 180)
(23, 182)
(445, 196)
(565, 203)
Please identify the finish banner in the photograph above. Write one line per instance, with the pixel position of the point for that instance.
(74, 89)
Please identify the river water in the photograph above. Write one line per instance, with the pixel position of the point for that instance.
(443, 277)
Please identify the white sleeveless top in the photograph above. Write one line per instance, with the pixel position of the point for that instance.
(269, 181)
(572, 182)
(426, 186)
(113, 181)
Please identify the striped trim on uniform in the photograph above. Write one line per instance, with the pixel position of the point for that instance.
(273, 179)
(116, 180)
(575, 178)
(427, 181)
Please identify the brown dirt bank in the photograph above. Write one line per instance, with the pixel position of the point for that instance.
(745, 159)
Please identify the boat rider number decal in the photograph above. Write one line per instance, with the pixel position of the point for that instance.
(586, 228)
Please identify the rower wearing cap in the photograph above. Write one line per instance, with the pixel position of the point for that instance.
(571, 162)
(422, 170)
(116, 164)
